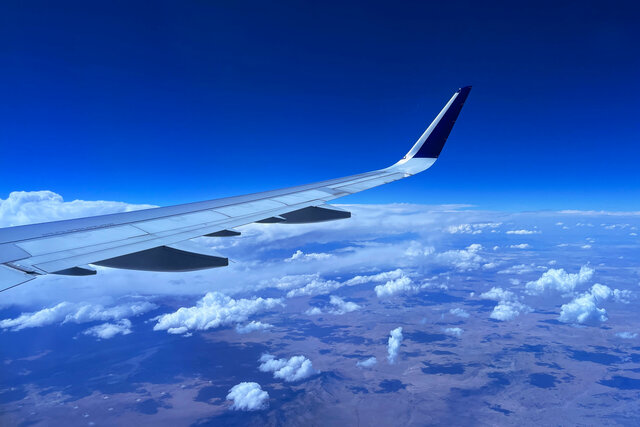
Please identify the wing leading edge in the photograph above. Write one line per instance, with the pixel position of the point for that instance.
(155, 239)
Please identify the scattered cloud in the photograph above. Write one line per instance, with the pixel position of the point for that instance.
(476, 228)
(212, 311)
(367, 363)
(341, 306)
(626, 335)
(559, 280)
(584, 307)
(395, 339)
(459, 312)
(110, 330)
(520, 246)
(462, 259)
(523, 232)
(296, 368)
(456, 332)
(313, 311)
(508, 306)
(497, 294)
(252, 326)
(67, 312)
(508, 310)
(248, 396)
(392, 287)
(518, 269)
(301, 256)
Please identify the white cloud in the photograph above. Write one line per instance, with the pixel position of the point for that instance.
(401, 285)
(520, 246)
(508, 310)
(508, 306)
(472, 228)
(459, 312)
(248, 396)
(379, 277)
(623, 296)
(213, 310)
(497, 294)
(317, 286)
(252, 326)
(110, 330)
(367, 363)
(313, 311)
(67, 312)
(462, 259)
(294, 369)
(301, 256)
(28, 207)
(559, 280)
(583, 308)
(626, 335)
(395, 339)
(457, 332)
(518, 269)
(522, 232)
(341, 306)
(314, 285)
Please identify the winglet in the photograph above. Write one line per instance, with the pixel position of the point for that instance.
(432, 140)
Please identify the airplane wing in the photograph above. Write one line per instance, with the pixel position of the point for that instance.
(157, 239)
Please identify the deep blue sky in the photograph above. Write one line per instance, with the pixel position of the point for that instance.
(169, 102)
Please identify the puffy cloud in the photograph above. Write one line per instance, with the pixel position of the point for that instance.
(301, 256)
(248, 396)
(379, 277)
(472, 228)
(520, 246)
(317, 286)
(341, 306)
(508, 310)
(367, 363)
(67, 312)
(624, 296)
(626, 335)
(584, 309)
(508, 306)
(294, 369)
(314, 285)
(559, 280)
(337, 306)
(459, 312)
(110, 330)
(252, 326)
(213, 310)
(395, 339)
(28, 207)
(401, 285)
(522, 232)
(497, 294)
(457, 332)
(462, 259)
(518, 269)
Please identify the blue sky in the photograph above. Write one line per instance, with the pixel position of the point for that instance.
(187, 101)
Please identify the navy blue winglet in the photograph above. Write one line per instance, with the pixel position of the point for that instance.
(432, 146)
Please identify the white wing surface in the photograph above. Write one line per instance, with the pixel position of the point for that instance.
(158, 239)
